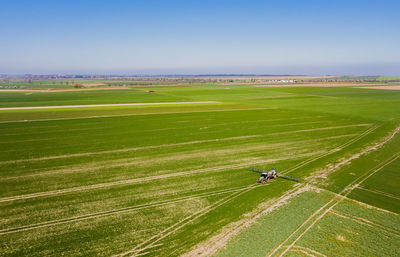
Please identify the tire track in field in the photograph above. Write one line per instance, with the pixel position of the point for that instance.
(309, 249)
(130, 149)
(333, 202)
(175, 227)
(366, 222)
(170, 128)
(118, 211)
(379, 192)
(136, 114)
(140, 160)
(56, 222)
(336, 149)
(175, 144)
(212, 247)
(140, 180)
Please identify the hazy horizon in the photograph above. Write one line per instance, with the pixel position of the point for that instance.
(207, 37)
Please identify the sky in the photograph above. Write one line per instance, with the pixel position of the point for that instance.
(309, 37)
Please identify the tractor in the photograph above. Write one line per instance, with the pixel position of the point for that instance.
(266, 176)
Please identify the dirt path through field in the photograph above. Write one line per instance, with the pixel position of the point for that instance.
(393, 87)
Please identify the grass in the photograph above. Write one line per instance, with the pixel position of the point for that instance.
(162, 179)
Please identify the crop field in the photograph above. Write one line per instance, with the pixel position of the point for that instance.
(158, 179)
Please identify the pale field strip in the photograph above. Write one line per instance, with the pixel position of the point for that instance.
(379, 192)
(137, 114)
(144, 161)
(308, 250)
(292, 131)
(101, 105)
(392, 87)
(178, 144)
(179, 225)
(212, 245)
(52, 131)
(119, 211)
(303, 252)
(140, 180)
(366, 222)
(332, 203)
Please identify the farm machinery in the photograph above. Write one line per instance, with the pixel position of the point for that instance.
(266, 176)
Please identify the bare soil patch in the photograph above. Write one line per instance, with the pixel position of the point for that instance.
(392, 87)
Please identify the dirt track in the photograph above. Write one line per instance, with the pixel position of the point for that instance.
(393, 87)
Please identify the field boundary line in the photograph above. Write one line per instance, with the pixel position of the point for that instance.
(366, 222)
(145, 179)
(379, 192)
(117, 211)
(166, 232)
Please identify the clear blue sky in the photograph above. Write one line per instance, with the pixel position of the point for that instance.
(148, 36)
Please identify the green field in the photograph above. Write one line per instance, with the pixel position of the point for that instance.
(169, 180)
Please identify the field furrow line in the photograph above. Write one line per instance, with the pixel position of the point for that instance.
(213, 249)
(310, 250)
(139, 180)
(379, 192)
(334, 201)
(130, 149)
(187, 155)
(172, 145)
(341, 196)
(161, 235)
(117, 211)
(212, 245)
(336, 149)
(367, 223)
(136, 114)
